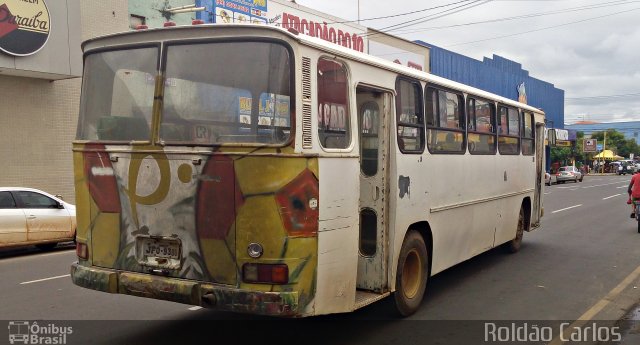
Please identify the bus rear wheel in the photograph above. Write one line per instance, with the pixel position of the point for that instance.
(412, 274)
(514, 245)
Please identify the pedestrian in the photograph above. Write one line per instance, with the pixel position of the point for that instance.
(634, 192)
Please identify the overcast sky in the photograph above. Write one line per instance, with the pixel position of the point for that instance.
(588, 48)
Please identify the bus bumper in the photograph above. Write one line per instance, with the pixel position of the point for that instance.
(186, 291)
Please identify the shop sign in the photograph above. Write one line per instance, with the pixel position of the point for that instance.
(590, 145)
(25, 26)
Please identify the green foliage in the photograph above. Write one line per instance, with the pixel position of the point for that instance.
(617, 143)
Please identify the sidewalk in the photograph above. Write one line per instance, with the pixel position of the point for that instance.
(630, 324)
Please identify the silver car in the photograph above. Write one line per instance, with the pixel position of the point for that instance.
(569, 173)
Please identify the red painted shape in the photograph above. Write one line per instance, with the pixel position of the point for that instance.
(218, 199)
(7, 21)
(101, 179)
(294, 201)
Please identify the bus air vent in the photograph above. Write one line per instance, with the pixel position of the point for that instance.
(306, 103)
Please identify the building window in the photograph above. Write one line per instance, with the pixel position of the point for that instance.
(135, 20)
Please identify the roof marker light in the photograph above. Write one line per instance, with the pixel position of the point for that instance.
(197, 22)
(168, 24)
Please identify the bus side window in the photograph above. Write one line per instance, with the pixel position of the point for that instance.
(445, 121)
(481, 133)
(509, 136)
(528, 137)
(410, 118)
(333, 106)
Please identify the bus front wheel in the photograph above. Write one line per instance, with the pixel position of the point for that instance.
(515, 244)
(412, 274)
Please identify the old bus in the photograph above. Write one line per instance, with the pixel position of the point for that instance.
(254, 169)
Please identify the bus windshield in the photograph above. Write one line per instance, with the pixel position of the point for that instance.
(236, 92)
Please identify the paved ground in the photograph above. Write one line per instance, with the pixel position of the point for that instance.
(582, 264)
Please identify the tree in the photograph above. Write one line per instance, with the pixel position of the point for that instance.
(617, 143)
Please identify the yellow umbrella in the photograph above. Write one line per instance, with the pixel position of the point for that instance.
(607, 155)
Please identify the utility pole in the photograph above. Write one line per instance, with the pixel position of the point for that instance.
(604, 147)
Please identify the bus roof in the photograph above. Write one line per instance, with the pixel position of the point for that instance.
(182, 31)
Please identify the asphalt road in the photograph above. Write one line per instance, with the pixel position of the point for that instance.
(581, 264)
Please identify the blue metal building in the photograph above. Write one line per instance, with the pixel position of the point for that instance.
(500, 76)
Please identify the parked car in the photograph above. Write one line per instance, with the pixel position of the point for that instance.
(626, 166)
(33, 217)
(569, 173)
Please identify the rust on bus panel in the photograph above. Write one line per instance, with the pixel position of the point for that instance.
(216, 205)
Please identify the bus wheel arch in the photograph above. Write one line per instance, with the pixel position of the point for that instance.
(413, 270)
(524, 224)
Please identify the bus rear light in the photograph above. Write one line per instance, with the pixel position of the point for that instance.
(265, 273)
(82, 250)
(169, 24)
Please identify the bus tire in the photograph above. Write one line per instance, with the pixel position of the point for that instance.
(514, 245)
(411, 275)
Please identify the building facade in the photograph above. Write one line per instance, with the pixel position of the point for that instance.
(40, 92)
(500, 76)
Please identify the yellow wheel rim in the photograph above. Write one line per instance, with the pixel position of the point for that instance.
(411, 274)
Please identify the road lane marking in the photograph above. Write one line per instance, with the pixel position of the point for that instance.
(596, 308)
(609, 197)
(568, 208)
(45, 279)
(601, 185)
(195, 308)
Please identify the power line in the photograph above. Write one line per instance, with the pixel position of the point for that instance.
(545, 28)
(434, 16)
(525, 16)
(400, 14)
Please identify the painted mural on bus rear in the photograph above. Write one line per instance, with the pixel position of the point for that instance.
(241, 168)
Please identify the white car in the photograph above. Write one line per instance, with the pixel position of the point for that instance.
(32, 217)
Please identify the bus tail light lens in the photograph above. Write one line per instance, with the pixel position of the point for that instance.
(265, 273)
(82, 250)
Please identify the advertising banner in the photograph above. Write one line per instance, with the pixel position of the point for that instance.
(24, 26)
(287, 15)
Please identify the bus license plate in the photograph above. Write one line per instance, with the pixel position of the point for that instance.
(159, 252)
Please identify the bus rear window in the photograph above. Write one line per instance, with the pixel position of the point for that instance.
(221, 93)
(117, 95)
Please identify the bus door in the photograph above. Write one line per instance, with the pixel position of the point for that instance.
(374, 112)
(537, 198)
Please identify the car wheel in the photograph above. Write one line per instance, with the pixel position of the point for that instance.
(411, 275)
